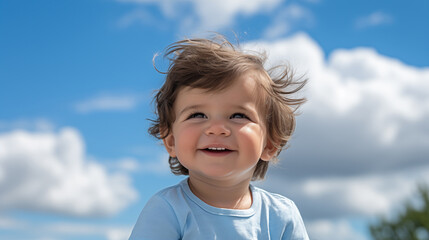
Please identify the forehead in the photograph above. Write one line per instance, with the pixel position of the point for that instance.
(242, 88)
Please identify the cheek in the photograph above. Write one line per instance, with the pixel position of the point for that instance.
(253, 136)
(186, 139)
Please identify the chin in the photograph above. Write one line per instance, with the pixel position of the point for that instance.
(215, 174)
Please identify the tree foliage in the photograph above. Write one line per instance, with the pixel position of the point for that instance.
(410, 224)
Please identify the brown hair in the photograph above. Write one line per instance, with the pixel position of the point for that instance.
(214, 64)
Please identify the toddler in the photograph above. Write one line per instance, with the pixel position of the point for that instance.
(222, 118)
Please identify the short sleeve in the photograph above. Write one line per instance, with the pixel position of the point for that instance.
(157, 221)
(295, 230)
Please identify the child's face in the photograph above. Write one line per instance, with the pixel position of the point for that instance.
(219, 135)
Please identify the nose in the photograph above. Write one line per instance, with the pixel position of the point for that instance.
(218, 128)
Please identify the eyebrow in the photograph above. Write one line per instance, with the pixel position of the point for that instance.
(189, 108)
(242, 107)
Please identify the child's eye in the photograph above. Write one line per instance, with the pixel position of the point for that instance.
(197, 115)
(239, 115)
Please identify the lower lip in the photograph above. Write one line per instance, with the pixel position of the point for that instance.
(216, 153)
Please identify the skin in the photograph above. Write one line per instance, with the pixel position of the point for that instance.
(229, 121)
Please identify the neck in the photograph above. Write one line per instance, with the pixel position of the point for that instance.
(222, 194)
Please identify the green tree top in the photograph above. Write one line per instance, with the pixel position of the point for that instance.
(410, 224)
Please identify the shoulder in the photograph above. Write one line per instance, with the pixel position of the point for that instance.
(169, 193)
(159, 218)
(283, 212)
(274, 200)
(279, 207)
(171, 199)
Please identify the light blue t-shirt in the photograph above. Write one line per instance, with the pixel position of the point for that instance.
(176, 213)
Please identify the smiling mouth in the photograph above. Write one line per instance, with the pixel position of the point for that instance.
(217, 150)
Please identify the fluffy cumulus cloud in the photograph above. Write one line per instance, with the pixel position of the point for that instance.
(362, 138)
(208, 14)
(47, 171)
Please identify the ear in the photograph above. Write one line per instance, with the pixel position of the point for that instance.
(269, 151)
(170, 145)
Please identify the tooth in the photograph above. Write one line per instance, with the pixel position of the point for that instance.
(216, 149)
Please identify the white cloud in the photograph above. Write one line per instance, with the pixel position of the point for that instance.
(348, 196)
(10, 223)
(203, 15)
(107, 103)
(287, 19)
(158, 166)
(359, 81)
(38, 124)
(328, 230)
(219, 14)
(110, 232)
(119, 234)
(147, 164)
(374, 19)
(388, 85)
(137, 16)
(49, 172)
(128, 164)
(61, 230)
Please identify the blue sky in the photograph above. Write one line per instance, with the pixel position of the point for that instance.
(76, 81)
